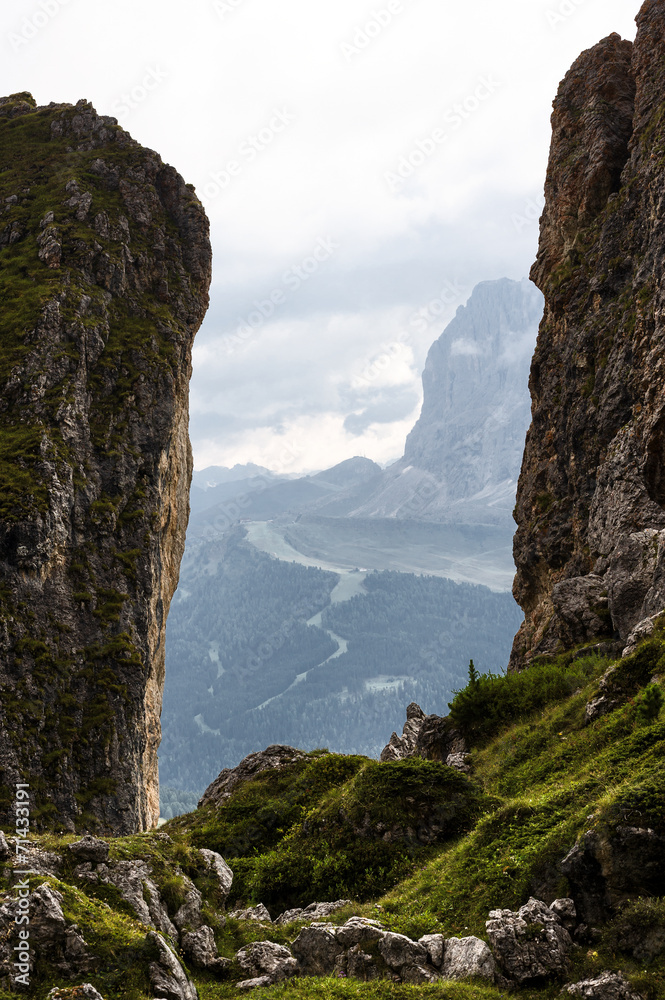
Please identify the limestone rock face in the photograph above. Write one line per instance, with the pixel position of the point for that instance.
(530, 943)
(105, 265)
(589, 547)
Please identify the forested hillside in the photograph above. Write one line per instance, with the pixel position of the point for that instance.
(258, 654)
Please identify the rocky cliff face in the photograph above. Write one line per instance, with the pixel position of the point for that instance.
(590, 545)
(105, 264)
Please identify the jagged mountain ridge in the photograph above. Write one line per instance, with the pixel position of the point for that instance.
(105, 264)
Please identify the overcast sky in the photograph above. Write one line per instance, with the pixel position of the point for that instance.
(363, 165)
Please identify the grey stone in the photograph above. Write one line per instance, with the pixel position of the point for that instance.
(316, 949)
(90, 849)
(419, 974)
(254, 984)
(360, 965)
(265, 958)
(200, 947)
(566, 912)
(642, 631)
(5, 849)
(216, 863)
(606, 986)
(133, 880)
(359, 930)
(189, 916)
(434, 944)
(167, 976)
(530, 943)
(398, 950)
(466, 957)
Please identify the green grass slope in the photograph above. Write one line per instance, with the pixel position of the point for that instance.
(424, 848)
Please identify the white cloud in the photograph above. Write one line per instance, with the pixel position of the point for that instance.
(221, 75)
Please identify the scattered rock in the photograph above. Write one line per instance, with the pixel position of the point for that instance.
(315, 911)
(530, 943)
(606, 986)
(259, 913)
(90, 849)
(466, 957)
(216, 863)
(274, 756)
(316, 949)
(5, 849)
(264, 958)
(167, 975)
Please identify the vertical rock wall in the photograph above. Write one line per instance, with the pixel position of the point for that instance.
(590, 544)
(105, 265)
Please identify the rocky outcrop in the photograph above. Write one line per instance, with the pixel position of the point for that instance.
(590, 544)
(530, 943)
(105, 264)
(272, 757)
(430, 737)
(315, 911)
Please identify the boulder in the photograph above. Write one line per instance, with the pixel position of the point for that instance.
(466, 957)
(434, 945)
(606, 986)
(258, 913)
(397, 950)
(531, 943)
(316, 949)
(274, 756)
(51, 937)
(134, 882)
(189, 916)
(359, 930)
(642, 631)
(167, 976)
(254, 984)
(5, 849)
(419, 974)
(566, 912)
(215, 863)
(200, 947)
(90, 849)
(360, 965)
(265, 958)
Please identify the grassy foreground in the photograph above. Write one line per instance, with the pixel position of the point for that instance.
(419, 846)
